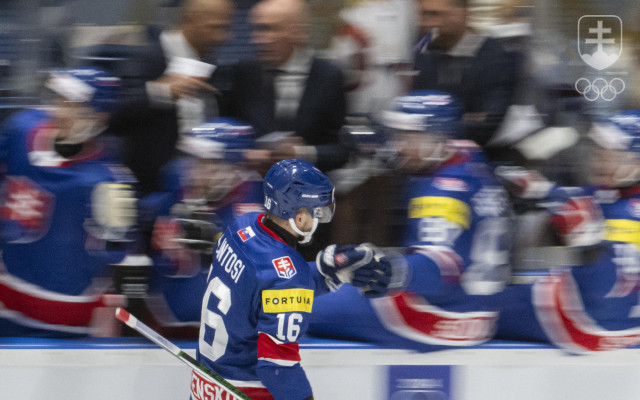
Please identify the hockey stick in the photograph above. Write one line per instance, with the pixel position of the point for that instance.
(133, 322)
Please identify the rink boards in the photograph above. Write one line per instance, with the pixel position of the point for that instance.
(133, 369)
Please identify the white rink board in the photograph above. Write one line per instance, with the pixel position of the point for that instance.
(492, 372)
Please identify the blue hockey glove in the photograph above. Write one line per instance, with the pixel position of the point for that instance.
(373, 279)
(338, 263)
(359, 265)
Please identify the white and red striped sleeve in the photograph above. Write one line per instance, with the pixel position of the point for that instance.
(277, 352)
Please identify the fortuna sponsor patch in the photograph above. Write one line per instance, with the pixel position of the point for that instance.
(623, 230)
(246, 233)
(284, 267)
(287, 300)
(451, 209)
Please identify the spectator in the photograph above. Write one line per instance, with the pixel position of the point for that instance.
(167, 88)
(343, 43)
(456, 240)
(297, 98)
(453, 58)
(65, 215)
(387, 58)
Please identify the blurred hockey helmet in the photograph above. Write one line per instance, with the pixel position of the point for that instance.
(419, 125)
(365, 139)
(219, 138)
(83, 97)
(91, 85)
(292, 185)
(427, 111)
(616, 162)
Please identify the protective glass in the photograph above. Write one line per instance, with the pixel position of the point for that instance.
(324, 214)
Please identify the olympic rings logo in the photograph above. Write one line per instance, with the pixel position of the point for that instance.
(600, 88)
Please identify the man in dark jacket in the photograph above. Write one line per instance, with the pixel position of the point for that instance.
(167, 88)
(295, 102)
(453, 58)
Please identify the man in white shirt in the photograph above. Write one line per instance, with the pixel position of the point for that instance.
(167, 88)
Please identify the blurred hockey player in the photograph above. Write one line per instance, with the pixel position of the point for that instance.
(260, 290)
(456, 243)
(589, 300)
(205, 191)
(65, 213)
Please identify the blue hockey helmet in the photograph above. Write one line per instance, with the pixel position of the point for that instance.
(418, 126)
(364, 139)
(291, 185)
(618, 164)
(219, 138)
(427, 111)
(619, 131)
(91, 85)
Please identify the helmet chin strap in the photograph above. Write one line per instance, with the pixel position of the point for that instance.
(306, 235)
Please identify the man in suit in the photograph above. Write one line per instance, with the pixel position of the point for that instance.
(167, 88)
(453, 58)
(295, 102)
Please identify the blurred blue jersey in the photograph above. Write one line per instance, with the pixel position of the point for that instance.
(180, 273)
(457, 248)
(53, 251)
(585, 308)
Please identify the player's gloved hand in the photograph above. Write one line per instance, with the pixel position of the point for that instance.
(577, 218)
(338, 263)
(374, 278)
(114, 209)
(359, 265)
(200, 229)
(524, 183)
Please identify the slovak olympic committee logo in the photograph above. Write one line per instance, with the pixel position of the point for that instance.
(600, 46)
(600, 40)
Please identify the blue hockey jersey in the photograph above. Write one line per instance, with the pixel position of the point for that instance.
(260, 292)
(585, 308)
(179, 277)
(54, 253)
(457, 249)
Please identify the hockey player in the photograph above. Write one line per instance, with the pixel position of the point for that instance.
(260, 290)
(206, 191)
(64, 213)
(456, 247)
(591, 303)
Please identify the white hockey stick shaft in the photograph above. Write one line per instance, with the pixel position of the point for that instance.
(133, 322)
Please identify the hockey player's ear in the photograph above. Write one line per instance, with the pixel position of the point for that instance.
(303, 220)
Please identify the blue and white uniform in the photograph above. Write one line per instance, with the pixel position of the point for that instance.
(585, 308)
(260, 293)
(594, 305)
(179, 278)
(54, 253)
(457, 251)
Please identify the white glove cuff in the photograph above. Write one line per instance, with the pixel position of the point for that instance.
(400, 271)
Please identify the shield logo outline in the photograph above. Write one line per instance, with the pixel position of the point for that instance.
(599, 59)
